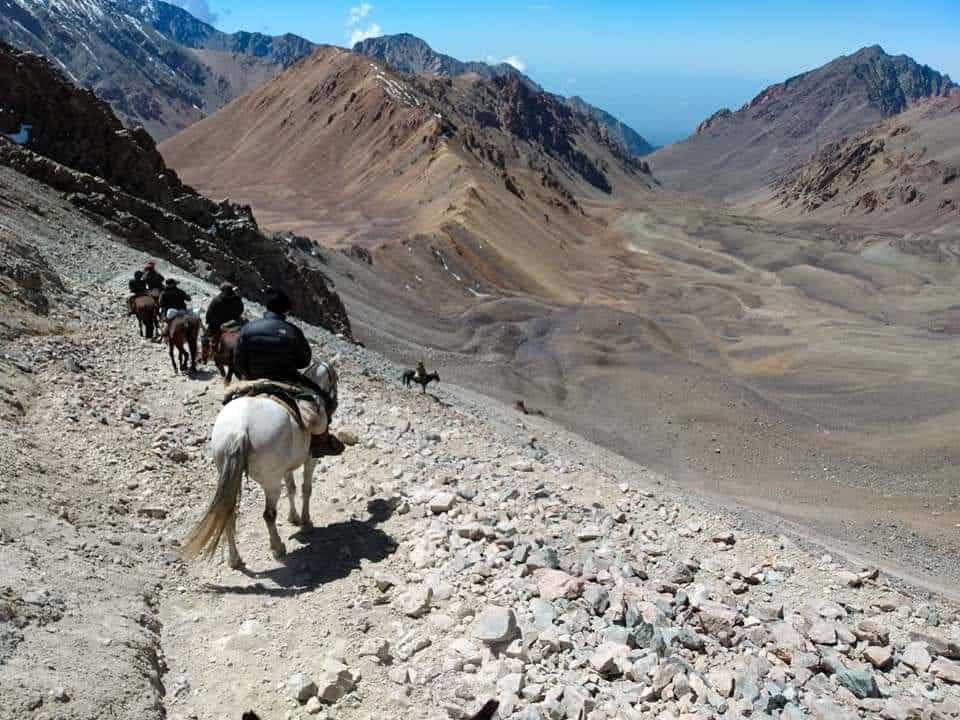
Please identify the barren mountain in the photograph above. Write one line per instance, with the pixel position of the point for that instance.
(903, 172)
(408, 54)
(486, 180)
(70, 140)
(154, 63)
(735, 154)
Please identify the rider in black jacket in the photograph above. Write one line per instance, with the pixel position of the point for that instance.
(225, 307)
(172, 297)
(273, 348)
(151, 277)
(137, 287)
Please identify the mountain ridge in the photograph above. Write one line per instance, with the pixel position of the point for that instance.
(410, 54)
(733, 154)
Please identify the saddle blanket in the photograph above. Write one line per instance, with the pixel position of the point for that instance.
(296, 400)
(173, 312)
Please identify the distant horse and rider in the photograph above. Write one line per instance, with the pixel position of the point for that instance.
(420, 376)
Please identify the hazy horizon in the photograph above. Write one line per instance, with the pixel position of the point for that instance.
(660, 67)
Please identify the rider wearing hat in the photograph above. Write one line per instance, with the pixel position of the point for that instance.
(153, 279)
(172, 297)
(225, 307)
(137, 287)
(274, 349)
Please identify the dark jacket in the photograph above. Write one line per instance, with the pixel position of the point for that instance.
(137, 287)
(223, 309)
(153, 279)
(271, 348)
(173, 298)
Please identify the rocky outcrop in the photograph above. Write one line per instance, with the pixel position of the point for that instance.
(25, 277)
(718, 117)
(904, 164)
(117, 177)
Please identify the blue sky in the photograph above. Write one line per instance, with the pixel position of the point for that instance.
(660, 66)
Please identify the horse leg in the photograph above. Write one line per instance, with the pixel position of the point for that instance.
(292, 517)
(172, 361)
(193, 352)
(270, 517)
(306, 490)
(234, 555)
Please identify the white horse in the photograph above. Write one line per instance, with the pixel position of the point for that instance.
(257, 436)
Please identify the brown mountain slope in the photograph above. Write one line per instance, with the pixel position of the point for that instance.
(734, 154)
(70, 140)
(903, 172)
(481, 183)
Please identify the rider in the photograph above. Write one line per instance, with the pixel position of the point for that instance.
(225, 307)
(172, 297)
(152, 278)
(274, 349)
(421, 371)
(137, 287)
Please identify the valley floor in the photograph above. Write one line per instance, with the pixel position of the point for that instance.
(799, 370)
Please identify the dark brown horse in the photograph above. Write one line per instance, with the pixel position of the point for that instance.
(147, 311)
(183, 332)
(222, 354)
(410, 376)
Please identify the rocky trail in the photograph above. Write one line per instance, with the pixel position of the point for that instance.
(461, 552)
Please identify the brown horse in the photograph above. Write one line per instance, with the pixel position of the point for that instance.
(183, 332)
(222, 354)
(147, 310)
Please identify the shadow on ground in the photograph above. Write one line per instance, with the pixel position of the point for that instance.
(329, 553)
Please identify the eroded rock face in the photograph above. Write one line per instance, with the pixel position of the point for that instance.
(118, 178)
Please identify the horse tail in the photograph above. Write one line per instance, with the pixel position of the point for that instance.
(205, 537)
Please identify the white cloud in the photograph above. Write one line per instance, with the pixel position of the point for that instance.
(371, 31)
(200, 9)
(516, 62)
(358, 13)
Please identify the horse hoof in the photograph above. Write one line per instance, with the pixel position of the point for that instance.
(280, 552)
(237, 564)
(307, 526)
(294, 519)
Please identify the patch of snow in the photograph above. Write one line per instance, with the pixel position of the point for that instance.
(443, 261)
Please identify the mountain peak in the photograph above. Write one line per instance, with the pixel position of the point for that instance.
(787, 121)
(412, 55)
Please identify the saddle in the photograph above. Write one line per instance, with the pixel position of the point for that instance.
(297, 401)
